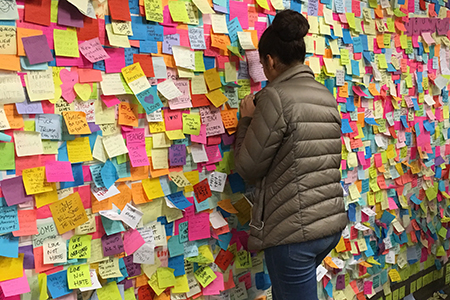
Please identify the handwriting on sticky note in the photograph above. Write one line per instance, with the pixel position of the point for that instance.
(68, 213)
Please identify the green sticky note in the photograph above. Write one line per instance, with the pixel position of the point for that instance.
(109, 291)
(199, 62)
(178, 11)
(66, 43)
(7, 158)
(205, 275)
(80, 246)
(382, 64)
(351, 20)
(165, 277)
(345, 58)
(79, 276)
(29, 125)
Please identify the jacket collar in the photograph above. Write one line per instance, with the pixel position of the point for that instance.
(293, 71)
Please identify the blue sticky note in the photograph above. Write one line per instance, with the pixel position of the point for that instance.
(175, 247)
(148, 47)
(416, 105)
(111, 226)
(204, 205)
(169, 229)
(183, 232)
(387, 218)
(371, 121)
(351, 212)
(233, 28)
(49, 125)
(428, 126)
(123, 170)
(134, 6)
(179, 200)
(404, 121)
(345, 126)
(209, 62)
(100, 65)
(10, 221)
(416, 200)
(357, 45)
(77, 171)
(417, 128)
(262, 281)
(355, 67)
(177, 263)
(296, 5)
(25, 64)
(9, 245)
(347, 38)
(96, 175)
(109, 174)
(129, 52)
(224, 240)
(236, 182)
(149, 99)
(57, 284)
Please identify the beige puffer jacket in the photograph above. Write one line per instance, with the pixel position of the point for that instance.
(291, 151)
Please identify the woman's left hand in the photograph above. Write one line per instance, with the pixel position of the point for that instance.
(247, 106)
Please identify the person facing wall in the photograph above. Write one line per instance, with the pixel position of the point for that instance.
(288, 144)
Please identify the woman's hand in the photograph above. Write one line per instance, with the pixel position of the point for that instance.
(247, 106)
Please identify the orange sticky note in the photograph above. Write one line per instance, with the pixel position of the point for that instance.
(15, 120)
(89, 75)
(24, 32)
(220, 41)
(128, 114)
(76, 122)
(229, 118)
(27, 223)
(9, 62)
(227, 206)
(120, 200)
(138, 194)
(97, 206)
(68, 213)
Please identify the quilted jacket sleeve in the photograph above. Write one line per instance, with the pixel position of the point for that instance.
(259, 138)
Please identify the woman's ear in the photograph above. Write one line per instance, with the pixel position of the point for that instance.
(270, 62)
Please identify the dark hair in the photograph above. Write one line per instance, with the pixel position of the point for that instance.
(284, 38)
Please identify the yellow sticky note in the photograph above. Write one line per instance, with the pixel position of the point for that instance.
(230, 72)
(205, 275)
(66, 43)
(109, 292)
(35, 181)
(152, 188)
(394, 275)
(42, 280)
(382, 63)
(212, 79)
(153, 282)
(80, 246)
(129, 294)
(263, 4)
(351, 20)
(79, 276)
(191, 124)
(345, 58)
(43, 199)
(178, 11)
(79, 150)
(165, 277)
(68, 213)
(11, 267)
(175, 134)
(132, 72)
(199, 62)
(217, 97)
(181, 285)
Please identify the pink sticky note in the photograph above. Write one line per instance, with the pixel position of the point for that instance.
(93, 50)
(86, 174)
(216, 286)
(136, 147)
(15, 286)
(173, 120)
(69, 79)
(198, 227)
(213, 153)
(368, 287)
(239, 10)
(116, 60)
(58, 171)
(132, 240)
(201, 138)
(110, 100)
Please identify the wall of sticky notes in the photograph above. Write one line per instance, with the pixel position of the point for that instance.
(116, 145)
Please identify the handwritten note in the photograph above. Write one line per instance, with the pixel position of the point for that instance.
(68, 213)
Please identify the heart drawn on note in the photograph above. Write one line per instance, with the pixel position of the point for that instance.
(149, 99)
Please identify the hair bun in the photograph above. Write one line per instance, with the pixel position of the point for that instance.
(290, 25)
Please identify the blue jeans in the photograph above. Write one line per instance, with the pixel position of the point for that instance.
(292, 267)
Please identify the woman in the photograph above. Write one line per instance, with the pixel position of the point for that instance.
(289, 146)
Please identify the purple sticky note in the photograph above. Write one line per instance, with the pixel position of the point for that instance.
(132, 268)
(169, 41)
(69, 15)
(93, 127)
(112, 244)
(177, 155)
(28, 259)
(227, 139)
(340, 282)
(27, 107)
(37, 49)
(313, 8)
(14, 191)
